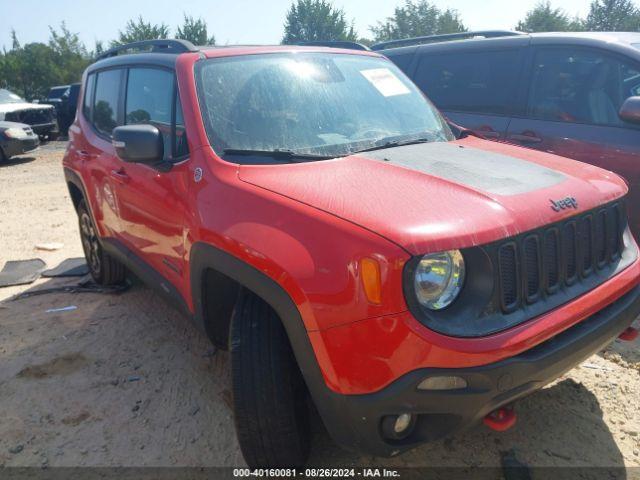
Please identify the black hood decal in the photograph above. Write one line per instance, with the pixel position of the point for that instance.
(478, 169)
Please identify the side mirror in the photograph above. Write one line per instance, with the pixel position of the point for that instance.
(630, 110)
(138, 143)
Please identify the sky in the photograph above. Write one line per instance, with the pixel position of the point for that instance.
(240, 21)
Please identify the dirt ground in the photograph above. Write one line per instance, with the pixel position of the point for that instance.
(124, 380)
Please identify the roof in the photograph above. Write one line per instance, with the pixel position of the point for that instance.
(618, 37)
(169, 50)
(624, 43)
(234, 50)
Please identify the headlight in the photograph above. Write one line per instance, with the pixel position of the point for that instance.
(438, 279)
(15, 133)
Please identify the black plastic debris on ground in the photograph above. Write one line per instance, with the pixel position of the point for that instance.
(71, 267)
(21, 272)
(85, 286)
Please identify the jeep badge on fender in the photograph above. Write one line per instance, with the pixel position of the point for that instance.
(563, 204)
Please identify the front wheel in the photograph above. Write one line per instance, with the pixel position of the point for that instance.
(269, 393)
(104, 269)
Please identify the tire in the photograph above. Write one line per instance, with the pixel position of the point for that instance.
(3, 157)
(104, 269)
(269, 394)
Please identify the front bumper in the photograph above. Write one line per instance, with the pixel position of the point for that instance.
(46, 128)
(355, 421)
(12, 147)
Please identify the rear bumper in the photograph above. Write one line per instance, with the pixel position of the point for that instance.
(355, 420)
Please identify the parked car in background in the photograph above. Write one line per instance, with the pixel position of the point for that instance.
(16, 139)
(313, 213)
(55, 94)
(572, 94)
(41, 118)
(65, 100)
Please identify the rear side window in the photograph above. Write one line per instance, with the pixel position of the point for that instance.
(151, 99)
(105, 106)
(581, 86)
(482, 82)
(88, 96)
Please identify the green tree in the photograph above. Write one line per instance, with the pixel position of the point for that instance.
(138, 30)
(544, 18)
(309, 20)
(417, 18)
(613, 15)
(195, 30)
(98, 49)
(69, 54)
(29, 70)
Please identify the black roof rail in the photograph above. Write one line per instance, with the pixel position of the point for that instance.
(333, 44)
(157, 46)
(405, 42)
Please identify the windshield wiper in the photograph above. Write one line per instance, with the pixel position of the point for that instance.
(283, 154)
(381, 145)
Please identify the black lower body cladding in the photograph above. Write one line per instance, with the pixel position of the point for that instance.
(438, 413)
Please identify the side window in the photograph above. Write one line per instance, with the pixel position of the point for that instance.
(482, 82)
(105, 106)
(150, 97)
(181, 148)
(88, 96)
(581, 86)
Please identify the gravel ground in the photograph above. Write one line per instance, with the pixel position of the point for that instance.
(124, 380)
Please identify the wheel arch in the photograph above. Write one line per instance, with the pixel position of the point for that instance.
(206, 257)
(216, 278)
(76, 188)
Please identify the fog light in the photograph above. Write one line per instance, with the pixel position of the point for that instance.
(442, 383)
(398, 427)
(402, 423)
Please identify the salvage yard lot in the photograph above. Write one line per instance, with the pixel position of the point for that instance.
(124, 380)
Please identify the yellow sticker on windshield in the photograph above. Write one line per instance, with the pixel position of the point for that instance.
(385, 81)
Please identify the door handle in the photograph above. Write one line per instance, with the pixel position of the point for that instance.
(84, 155)
(120, 176)
(525, 138)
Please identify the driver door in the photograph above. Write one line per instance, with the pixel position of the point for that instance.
(152, 201)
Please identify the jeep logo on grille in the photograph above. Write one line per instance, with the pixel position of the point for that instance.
(563, 204)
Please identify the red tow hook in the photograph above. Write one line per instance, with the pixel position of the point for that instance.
(501, 419)
(629, 335)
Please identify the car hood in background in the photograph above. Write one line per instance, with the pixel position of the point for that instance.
(438, 196)
(13, 107)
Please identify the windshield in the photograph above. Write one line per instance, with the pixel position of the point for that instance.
(9, 97)
(312, 103)
(57, 92)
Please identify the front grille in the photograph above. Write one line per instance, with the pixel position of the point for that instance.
(540, 263)
(32, 116)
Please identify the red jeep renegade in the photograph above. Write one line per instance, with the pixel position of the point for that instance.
(312, 212)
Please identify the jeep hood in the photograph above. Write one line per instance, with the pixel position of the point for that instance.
(438, 196)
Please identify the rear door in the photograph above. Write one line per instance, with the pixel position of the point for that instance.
(475, 87)
(572, 108)
(102, 112)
